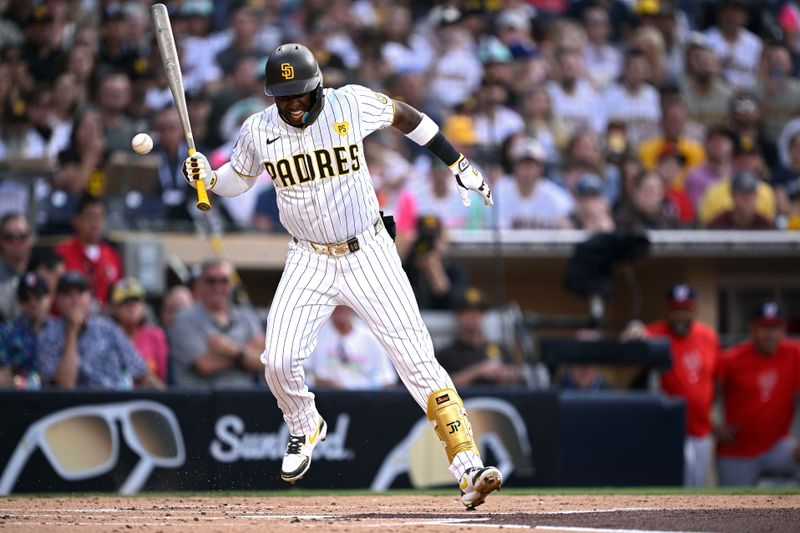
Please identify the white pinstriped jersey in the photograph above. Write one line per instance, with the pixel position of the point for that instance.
(324, 189)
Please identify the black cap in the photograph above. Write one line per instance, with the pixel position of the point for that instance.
(744, 181)
(470, 298)
(72, 279)
(31, 285)
(767, 313)
(681, 296)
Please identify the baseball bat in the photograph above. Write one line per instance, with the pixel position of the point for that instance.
(172, 67)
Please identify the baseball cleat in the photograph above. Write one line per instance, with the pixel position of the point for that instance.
(477, 483)
(297, 458)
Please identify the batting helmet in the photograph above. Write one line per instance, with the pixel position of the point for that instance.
(291, 70)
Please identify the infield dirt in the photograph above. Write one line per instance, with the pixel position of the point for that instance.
(698, 513)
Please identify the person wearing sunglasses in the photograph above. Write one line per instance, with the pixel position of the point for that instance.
(78, 349)
(15, 250)
(18, 335)
(214, 343)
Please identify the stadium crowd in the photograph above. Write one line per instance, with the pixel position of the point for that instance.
(597, 115)
(585, 114)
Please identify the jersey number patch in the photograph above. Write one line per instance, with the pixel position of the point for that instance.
(287, 71)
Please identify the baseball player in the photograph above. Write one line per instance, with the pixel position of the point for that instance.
(310, 142)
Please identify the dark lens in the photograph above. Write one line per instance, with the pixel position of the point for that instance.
(155, 434)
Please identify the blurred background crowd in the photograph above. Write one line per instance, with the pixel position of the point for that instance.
(590, 114)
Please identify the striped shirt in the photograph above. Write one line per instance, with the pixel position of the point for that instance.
(325, 192)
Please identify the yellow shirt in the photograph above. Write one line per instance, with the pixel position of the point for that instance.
(718, 199)
(693, 151)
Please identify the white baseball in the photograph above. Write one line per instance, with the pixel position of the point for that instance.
(142, 143)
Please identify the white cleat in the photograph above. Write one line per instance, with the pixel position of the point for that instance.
(477, 483)
(297, 458)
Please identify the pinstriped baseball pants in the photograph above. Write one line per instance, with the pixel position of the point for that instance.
(372, 282)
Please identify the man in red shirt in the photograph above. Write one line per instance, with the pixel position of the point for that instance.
(695, 356)
(758, 380)
(87, 252)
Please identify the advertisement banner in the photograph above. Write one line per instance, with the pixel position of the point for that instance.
(235, 440)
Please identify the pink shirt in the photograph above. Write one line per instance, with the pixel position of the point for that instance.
(151, 343)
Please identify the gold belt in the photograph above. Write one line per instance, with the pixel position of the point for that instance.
(342, 248)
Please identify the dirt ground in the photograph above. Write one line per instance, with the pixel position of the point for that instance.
(424, 514)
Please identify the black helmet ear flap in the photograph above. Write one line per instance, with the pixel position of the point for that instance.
(317, 98)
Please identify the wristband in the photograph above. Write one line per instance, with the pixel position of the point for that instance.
(424, 132)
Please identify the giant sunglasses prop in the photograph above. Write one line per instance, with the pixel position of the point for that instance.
(83, 442)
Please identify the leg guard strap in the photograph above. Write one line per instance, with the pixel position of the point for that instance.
(449, 419)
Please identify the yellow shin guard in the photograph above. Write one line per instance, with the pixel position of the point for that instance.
(449, 418)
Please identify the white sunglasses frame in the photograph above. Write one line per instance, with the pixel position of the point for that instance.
(110, 413)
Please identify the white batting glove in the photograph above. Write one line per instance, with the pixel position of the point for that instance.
(469, 179)
(196, 167)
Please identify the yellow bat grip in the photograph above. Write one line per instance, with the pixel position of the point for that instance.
(203, 204)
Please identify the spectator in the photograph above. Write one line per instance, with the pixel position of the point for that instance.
(456, 71)
(47, 265)
(527, 199)
(266, 217)
(647, 207)
(348, 356)
(173, 199)
(88, 252)
(778, 91)
(759, 384)
(404, 49)
(118, 52)
(214, 343)
(719, 198)
(673, 133)
(15, 250)
(738, 50)
(81, 169)
(19, 139)
(787, 174)
(43, 49)
(695, 353)
(584, 154)
(793, 215)
(668, 169)
(437, 197)
(18, 336)
(494, 120)
(113, 100)
(650, 41)
(576, 104)
(592, 211)
(633, 101)
(706, 95)
(79, 349)
(540, 124)
(470, 359)
(435, 279)
(244, 23)
(745, 121)
(720, 141)
(175, 300)
(743, 214)
(129, 310)
(603, 61)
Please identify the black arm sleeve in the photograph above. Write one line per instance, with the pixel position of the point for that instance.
(441, 148)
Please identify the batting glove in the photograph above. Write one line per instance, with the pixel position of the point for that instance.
(196, 167)
(469, 179)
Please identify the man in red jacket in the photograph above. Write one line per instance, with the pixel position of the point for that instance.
(87, 252)
(759, 379)
(695, 355)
